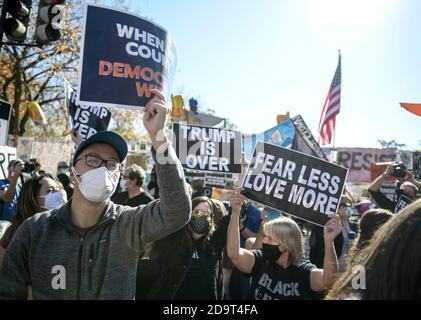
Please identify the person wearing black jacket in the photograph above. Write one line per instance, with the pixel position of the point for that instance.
(187, 265)
(408, 187)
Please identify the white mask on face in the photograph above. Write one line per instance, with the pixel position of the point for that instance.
(97, 185)
(52, 200)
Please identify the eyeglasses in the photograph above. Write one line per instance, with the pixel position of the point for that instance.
(96, 162)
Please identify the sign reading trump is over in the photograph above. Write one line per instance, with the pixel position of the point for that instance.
(123, 57)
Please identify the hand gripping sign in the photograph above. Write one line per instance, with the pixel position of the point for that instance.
(301, 185)
(123, 57)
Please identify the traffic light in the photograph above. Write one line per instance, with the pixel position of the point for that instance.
(16, 26)
(49, 21)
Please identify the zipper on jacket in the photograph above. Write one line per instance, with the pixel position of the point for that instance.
(79, 278)
(90, 263)
(177, 286)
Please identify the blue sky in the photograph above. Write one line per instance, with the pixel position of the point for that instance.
(251, 60)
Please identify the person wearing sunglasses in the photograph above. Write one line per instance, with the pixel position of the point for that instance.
(89, 248)
(187, 265)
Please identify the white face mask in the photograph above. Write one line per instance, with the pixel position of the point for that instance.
(123, 185)
(52, 200)
(97, 185)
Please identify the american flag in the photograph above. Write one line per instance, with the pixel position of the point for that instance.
(331, 108)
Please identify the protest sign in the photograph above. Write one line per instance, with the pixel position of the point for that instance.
(7, 154)
(293, 182)
(358, 161)
(86, 120)
(215, 179)
(5, 110)
(281, 135)
(306, 136)
(50, 153)
(207, 149)
(407, 158)
(123, 57)
(377, 169)
(222, 194)
(402, 203)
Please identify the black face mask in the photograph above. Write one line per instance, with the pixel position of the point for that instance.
(200, 225)
(271, 252)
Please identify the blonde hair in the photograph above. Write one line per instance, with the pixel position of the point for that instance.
(286, 233)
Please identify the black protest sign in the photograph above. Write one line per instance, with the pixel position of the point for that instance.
(123, 57)
(403, 201)
(301, 185)
(86, 120)
(208, 149)
(5, 110)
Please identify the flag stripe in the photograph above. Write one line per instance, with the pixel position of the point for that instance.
(331, 108)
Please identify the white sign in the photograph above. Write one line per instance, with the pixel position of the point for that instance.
(7, 154)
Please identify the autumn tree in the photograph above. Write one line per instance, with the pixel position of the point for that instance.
(35, 73)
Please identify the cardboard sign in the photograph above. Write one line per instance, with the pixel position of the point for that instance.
(86, 120)
(402, 203)
(358, 161)
(301, 185)
(377, 169)
(7, 154)
(123, 57)
(407, 158)
(216, 179)
(207, 149)
(5, 111)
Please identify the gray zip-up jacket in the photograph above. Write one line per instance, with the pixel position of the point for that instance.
(47, 254)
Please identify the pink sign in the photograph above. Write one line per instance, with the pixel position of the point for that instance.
(358, 161)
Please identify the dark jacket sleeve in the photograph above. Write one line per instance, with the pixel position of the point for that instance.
(219, 236)
(14, 272)
(164, 216)
(383, 201)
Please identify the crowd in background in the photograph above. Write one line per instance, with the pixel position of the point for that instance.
(267, 254)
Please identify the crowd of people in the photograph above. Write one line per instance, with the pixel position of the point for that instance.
(96, 230)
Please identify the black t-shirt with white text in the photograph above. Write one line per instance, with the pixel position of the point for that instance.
(272, 282)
